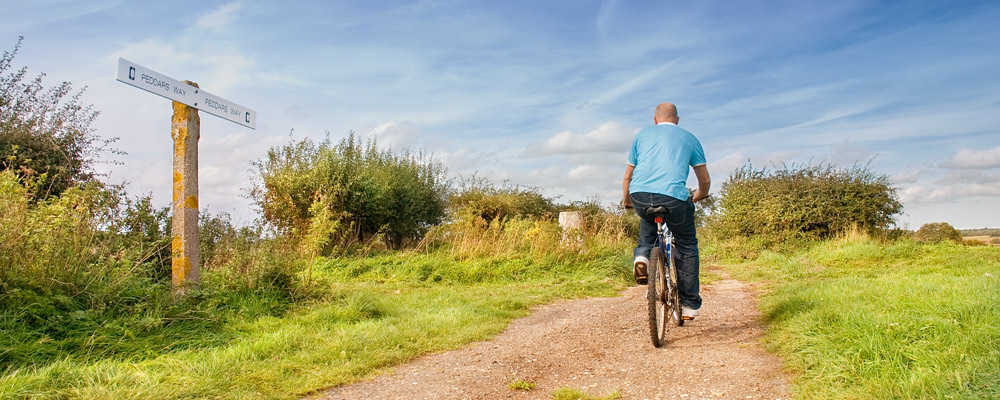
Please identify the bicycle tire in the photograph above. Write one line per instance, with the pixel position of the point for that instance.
(657, 285)
(675, 299)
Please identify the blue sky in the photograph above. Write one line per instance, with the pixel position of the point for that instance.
(549, 93)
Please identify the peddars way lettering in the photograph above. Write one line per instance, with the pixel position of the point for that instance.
(155, 82)
(216, 105)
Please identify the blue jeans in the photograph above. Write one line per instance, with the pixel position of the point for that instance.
(680, 221)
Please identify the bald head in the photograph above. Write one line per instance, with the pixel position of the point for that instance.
(665, 112)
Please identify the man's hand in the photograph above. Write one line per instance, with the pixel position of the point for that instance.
(627, 202)
(698, 196)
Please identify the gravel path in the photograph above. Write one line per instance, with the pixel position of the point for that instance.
(600, 345)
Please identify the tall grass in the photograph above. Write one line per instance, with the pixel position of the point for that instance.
(84, 277)
(867, 318)
(86, 311)
(375, 312)
(470, 236)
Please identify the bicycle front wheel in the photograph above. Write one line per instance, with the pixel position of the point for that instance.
(656, 294)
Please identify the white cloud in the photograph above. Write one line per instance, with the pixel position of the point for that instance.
(968, 158)
(947, 193)
(594, 175)
(220, 18)
(609, 137)
(395, 135)
(909, 176)
(726, 165)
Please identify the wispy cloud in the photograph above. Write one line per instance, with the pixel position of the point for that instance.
(604, 15)
(220, 18)
(908, 176)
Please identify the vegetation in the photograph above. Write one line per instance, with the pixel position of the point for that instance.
(336, 195)
(85, 276)
(980, 232)
(479, 198)
(568, 393)
(867, 318)
(45, 133)
(86, 313)
(937, 231)
(520, 384)
(803, 202)
(364, 313)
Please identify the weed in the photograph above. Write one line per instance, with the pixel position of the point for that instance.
(568, 393)
(520, 384)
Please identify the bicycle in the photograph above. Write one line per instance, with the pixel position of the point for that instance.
(661, 292)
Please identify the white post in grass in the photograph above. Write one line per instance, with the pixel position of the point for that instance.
(571, 223)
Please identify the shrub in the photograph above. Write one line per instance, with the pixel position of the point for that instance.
(936, 232)
(45, 134)
(361, 191)
(479, 197)
(804, 201)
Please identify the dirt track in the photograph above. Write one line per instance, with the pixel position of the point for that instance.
(600, 345)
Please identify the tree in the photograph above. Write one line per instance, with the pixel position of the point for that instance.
(45, 133)
(936, 232)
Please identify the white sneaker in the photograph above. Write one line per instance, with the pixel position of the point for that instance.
(639, 270)
(688, 313)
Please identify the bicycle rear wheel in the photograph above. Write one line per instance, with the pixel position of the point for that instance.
(673, 295)
(656, 294)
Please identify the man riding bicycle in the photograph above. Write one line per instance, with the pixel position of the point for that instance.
(656, 175)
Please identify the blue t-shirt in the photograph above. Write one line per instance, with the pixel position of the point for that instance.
(662, 155)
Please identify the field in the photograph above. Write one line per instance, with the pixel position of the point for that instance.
(859, 318)
(991, 240)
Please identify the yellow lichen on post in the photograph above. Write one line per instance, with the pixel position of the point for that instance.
(179, 265)
(185, 260)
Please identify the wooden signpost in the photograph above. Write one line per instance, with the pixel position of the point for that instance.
(187, 98)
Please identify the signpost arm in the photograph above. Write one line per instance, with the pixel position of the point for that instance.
(185, 260)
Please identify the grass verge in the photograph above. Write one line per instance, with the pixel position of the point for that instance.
(860, 318)
(377, 312)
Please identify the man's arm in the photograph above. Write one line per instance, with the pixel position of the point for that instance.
(704, 182)
(626, 200)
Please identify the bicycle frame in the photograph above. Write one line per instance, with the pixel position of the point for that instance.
(661, 227)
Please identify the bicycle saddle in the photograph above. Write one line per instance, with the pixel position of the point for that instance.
(656, 211)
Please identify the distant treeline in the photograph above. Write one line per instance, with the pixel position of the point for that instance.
(980, 232)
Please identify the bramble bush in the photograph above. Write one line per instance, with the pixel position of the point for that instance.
(349, 192)
(45, 133)
(803, 202)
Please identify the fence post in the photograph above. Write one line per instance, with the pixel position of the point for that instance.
(571, 223)
(185, 259)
